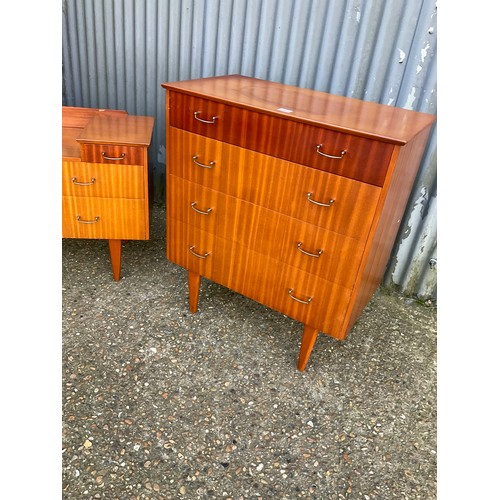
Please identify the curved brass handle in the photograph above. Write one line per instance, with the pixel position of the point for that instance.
(306, 302)
(329, 204)
(74, 180)
(83, 221)
(121, 157)
(204, 256)
(342, 153)
(212, 121)
(315, 255)
(197, 210)
(195, 158)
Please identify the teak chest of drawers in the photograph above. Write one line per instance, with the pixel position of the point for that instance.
(105, 177)
(289, 196)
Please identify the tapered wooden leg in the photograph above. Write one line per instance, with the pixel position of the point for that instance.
(308, 340)
(194, 290)
(115, 252)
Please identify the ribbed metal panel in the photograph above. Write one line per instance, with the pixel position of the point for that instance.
(116, 53)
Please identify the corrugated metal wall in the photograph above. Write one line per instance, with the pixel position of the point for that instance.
(116, 53)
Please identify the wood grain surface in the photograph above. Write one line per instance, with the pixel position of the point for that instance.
(364, 159)
(344, 114)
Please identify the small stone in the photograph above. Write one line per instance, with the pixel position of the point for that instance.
(87, 444)
(182, 490)
(310, 424)
(260, 467)
(156, 487)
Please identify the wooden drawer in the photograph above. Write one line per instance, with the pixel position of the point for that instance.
(279, 185)
(348, 155)
(192, 203)
(229, 218)
(258, 277)
(106, 181)
(225, 262)
(320, 252)
(322, 305)
(323, 253)
(190, 247)
(268, 281)
(111, 153)
(107, 218)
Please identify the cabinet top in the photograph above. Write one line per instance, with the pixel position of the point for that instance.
(344, 114)
(102, 126)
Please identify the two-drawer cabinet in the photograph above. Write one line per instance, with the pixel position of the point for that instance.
(105, 177)
(289, 196)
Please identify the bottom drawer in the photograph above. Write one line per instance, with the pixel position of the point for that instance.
(260, 278)
(105, 218)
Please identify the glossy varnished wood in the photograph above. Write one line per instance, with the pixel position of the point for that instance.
(98, 180)
(353, 116)
(309, 336)
(129, 130)
(118, 218)
(364, 159)
(115, 252)
(261, 277)
(276, 184)
(105, 198)
(266, 231)
(74, 120)
(257, 167)
(112, 154)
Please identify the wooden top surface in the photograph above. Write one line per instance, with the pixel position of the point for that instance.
(92, 125)
(363, 118)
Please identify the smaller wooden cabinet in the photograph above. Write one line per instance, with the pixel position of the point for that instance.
(105, 177)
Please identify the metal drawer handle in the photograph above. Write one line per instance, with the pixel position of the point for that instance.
(121, 157)
(83, 221)
(197, 210)
(212, 121)
(74, 180)
(315, 255)
(329, 204)
(306, 302)
(342, 153)
(210, 165)
(204, 256)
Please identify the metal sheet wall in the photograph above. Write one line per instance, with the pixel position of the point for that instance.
(116, 53)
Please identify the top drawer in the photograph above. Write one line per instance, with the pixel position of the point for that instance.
(347, 155)
(111, 153)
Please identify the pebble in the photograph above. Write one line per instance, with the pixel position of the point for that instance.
(206, 404)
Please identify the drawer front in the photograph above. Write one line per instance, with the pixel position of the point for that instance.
(269, 281)
(229, 218)
(225, 262)
(289, 188)
(305, 246)
(311, 300)
(111, 153)
(99, 180)
(258, 277)
(320, 252)
(341, 153)
(190, 247)
(192, 203)
(104, 218)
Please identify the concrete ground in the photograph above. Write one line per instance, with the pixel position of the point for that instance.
(159, 403)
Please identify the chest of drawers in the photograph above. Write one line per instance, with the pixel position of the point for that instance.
(105, 177)
(289, 196)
